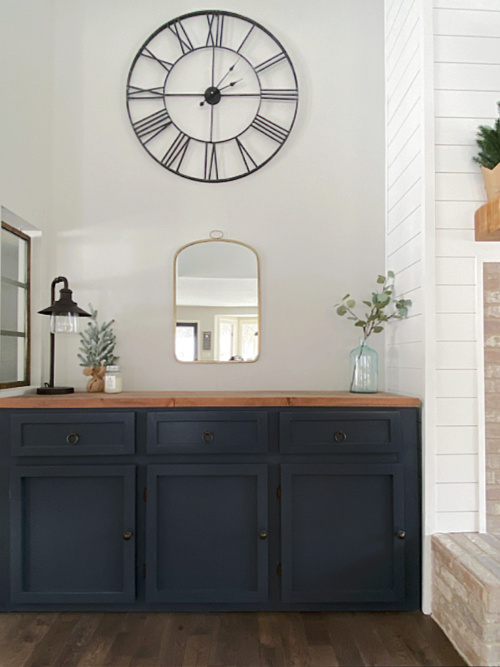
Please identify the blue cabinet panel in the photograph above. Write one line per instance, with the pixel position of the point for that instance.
(340, 528)
(340, 432)
(72, 433)
(206, 533)
(208, 431)
(70, 534)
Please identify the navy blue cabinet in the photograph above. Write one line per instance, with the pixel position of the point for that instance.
(207, 530)
(342, 538)
(72, 537)
(340, 431)
(207, 432)
(280, 508)
(72, 434)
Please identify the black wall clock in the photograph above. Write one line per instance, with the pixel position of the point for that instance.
(212, 96)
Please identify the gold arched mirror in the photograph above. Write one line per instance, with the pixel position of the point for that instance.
(217, 302)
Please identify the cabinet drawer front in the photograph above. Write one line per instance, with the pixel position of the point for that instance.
(340, 432)
(202, 432)
(72, 434)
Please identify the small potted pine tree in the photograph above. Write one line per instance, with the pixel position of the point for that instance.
(97, 350)
(488, 140)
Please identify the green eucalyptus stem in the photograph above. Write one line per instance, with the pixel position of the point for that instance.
(376, 317)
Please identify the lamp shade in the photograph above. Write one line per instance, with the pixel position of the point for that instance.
(64, 313)
(64, 305)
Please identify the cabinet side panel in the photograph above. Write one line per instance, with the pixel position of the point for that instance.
(4, 510)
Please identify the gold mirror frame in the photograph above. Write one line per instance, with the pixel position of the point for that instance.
(202, 339)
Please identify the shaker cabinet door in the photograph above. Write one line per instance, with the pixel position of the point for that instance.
(341, 533)
(73, 534)
(207, 533)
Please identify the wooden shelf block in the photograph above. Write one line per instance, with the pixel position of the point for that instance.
(487, 221)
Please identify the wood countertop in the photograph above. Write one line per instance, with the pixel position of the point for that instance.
(181, 399)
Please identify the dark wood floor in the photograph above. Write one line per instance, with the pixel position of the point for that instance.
(322, 639)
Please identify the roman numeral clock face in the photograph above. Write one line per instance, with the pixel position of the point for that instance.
(212, 96)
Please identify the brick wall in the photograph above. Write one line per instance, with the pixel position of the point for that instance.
(466, 594)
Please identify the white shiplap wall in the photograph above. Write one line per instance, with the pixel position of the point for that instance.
(405, 190)
(408, 146)
(467, 87)
(442, 81)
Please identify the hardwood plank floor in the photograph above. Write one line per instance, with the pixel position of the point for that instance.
(235, 639)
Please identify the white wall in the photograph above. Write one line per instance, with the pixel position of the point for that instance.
(25, 132)
(314, 213)
(451, 49)
(409, 225)
(25, 107)
(467, 84)
(405, 183)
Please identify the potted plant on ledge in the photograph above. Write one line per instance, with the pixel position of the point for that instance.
(97, 351)
(363, 359)
(488, 140)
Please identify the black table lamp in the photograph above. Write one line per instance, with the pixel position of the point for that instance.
(64, 318)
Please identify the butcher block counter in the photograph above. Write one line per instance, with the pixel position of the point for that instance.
(171, 399)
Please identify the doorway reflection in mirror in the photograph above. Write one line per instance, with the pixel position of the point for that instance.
(217, 305)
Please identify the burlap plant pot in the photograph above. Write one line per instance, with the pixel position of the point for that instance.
(491, 178)
(96, 382)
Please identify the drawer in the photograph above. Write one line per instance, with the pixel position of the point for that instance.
(340, 432)
(72, 434)
(193, 432)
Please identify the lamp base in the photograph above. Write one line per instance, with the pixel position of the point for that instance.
(55, 390)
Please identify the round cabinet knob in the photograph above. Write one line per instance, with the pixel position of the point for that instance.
(401, 534)
(127, 535)
(340, 436)
(263, 534)
(207, 436)
(72, 438)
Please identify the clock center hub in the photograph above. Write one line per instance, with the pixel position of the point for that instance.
(212, 95)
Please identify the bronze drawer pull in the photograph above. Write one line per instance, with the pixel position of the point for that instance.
(340, 436)
(127, 535)
(263, 534)
(72, 438)
(207, 437)
(401, 534)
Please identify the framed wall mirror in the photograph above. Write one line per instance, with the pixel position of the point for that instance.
(217, 302)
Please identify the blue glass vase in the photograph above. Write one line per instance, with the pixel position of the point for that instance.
(363, 364)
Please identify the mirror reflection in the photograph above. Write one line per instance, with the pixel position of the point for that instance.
(217, 310)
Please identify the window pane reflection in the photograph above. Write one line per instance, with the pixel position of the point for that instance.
(14, 307)
(186, 341)
(12, 359)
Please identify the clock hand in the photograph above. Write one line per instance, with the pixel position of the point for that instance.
(233, 83)
(213, 95)
(226, 74)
